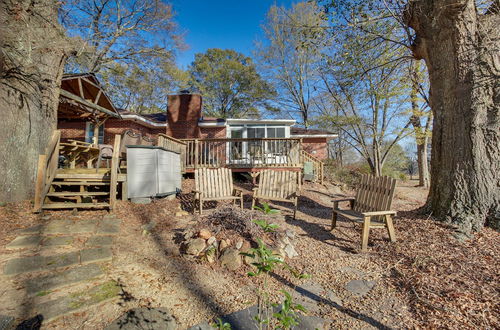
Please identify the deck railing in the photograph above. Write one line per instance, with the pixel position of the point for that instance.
(243, 153)
(175, 145)
(47, 168)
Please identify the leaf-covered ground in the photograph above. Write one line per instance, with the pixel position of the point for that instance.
(425, 279)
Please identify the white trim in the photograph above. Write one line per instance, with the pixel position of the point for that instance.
(212, 124)
(143, 120)
(313, 136)
(234, 121)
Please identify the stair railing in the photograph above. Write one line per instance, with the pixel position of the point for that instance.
(172, 144)
(318, 165)
(115, 160)
(46, 171)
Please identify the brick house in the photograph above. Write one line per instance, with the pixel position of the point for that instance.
(184, 120)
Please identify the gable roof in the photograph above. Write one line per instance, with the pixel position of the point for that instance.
(82, 95)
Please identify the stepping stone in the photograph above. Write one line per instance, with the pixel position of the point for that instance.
(43, 285)
(360, 287)
(50, 310)
(96, 255)
(39, 263)
(31, 230)
(6, 322)
(83, 226)
(58, 241)
(23, 242)
(99, 241)
(108, 227)
(245, 319)
(58, 227)
(144, 318)
(309, 295)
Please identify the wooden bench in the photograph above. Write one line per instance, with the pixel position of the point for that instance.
(371, 207)
(215, 185)
(283, 186)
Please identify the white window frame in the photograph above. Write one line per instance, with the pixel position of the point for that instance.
(89, 127)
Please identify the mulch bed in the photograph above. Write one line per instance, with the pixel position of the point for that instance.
(449, 284)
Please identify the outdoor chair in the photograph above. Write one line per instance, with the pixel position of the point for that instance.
(215, 185)
(371, 206)
(105, 153)
(282, 186)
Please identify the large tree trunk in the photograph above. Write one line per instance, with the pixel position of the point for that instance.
(461, 49)
(33, 50)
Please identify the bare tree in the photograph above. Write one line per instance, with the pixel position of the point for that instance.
(126, 41)
(290, 55)
(421, 120)
(33, 50)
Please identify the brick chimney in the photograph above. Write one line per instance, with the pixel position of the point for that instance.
(183, 114)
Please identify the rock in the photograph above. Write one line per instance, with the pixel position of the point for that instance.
(239, 244)
(3, 204)
(211, 240)
(181, 213)
(205, 234)
(149, 226)
(6, 321)
(333, 298)
(360, 287)
(210, 254)
(245, 247)
(290, 234)
(144, 318)
(290, 251)
(188, 234)
(231, 259)
(45, 217)
(224, 244)
(195, 246)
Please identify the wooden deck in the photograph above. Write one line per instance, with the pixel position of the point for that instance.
(242, 155)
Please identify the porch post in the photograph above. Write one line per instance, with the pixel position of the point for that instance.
(196, 151)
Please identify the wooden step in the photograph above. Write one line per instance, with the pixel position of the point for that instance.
(77, 193)
(74, 205)
(83, 176)
(79, 183)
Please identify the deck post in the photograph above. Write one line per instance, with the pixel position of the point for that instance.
(196, 152)
(114, 172)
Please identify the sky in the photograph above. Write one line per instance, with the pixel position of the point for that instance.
(220, 24)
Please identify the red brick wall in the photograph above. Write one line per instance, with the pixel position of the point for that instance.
(76, 130)
(213, 132)
(114, 127)
(316, 147)
(183, 114)
(72, 130)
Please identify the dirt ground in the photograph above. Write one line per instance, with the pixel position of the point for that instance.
(426, 279)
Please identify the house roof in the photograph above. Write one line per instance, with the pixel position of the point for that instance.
(154, 120)
(82, 96)
(303, 132)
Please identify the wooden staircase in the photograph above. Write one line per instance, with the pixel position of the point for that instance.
(318, 165)
(75, 188)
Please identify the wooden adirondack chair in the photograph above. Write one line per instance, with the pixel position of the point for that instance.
(215, 185)
(371, 206)
(283, 186)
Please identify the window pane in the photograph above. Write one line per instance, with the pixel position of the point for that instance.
(280, 132)
(271, 132)
(260, 132)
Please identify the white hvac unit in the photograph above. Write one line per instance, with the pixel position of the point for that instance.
(152, 172)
